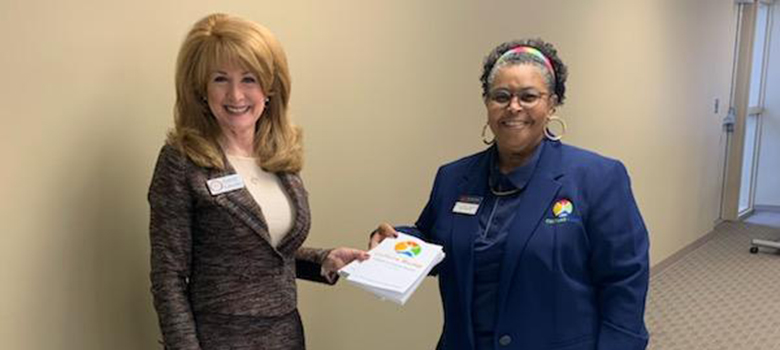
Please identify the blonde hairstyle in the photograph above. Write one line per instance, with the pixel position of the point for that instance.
(223, 39)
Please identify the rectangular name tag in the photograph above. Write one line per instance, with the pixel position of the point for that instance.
(225, 184)
(467, 205)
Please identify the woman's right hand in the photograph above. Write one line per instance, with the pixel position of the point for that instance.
(383, 231)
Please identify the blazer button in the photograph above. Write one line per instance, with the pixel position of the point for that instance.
(504, 340)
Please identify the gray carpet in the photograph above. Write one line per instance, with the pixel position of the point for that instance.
(766, 218)
(718, 296)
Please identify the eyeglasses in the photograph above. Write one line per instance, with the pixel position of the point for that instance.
(526, 98)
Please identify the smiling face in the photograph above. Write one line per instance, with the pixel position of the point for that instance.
(518, 104)
(235, 98)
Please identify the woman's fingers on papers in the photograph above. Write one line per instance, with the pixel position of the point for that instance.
(383, 231)
(339, 257)
(358, 254)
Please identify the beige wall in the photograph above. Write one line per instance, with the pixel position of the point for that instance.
(386, 91)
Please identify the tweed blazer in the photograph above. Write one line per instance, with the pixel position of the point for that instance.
(211, 254)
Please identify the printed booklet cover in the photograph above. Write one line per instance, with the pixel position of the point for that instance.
(396, 268)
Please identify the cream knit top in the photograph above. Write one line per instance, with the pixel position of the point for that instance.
(267, 190)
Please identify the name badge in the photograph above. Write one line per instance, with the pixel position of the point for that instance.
(467, 205)
(225, 184)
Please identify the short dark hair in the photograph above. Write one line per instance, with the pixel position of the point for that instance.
(549, 51)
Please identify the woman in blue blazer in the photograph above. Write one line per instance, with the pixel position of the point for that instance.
(545, 245)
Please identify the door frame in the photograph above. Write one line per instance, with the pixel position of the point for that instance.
(739, 109)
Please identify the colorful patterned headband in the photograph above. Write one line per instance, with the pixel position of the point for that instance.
(520, 50)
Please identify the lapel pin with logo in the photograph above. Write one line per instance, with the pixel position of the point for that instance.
(562, 209)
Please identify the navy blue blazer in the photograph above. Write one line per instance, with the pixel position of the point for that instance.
(571, 279)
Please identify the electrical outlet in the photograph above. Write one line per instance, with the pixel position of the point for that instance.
(716, 107)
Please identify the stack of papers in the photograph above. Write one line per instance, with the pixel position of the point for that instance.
(396, 268)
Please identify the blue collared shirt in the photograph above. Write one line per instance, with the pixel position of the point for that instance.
(495, 219)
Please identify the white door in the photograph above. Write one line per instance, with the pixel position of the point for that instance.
(746, 108)
(755, 108)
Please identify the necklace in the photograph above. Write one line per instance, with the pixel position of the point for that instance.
(498, 193)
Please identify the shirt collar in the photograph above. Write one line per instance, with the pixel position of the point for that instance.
(519, 177)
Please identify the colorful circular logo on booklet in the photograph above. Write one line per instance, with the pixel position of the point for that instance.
(562, 208)
(408, 248)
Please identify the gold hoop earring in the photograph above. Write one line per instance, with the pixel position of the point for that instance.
(484, 140)
(549, 134)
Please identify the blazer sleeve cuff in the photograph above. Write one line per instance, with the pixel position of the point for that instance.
(308, 266)
(310, 271)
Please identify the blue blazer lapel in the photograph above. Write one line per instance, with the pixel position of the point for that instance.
(465, 227)
(539, 193)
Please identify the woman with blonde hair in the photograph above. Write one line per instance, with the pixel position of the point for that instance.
(229, 212)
